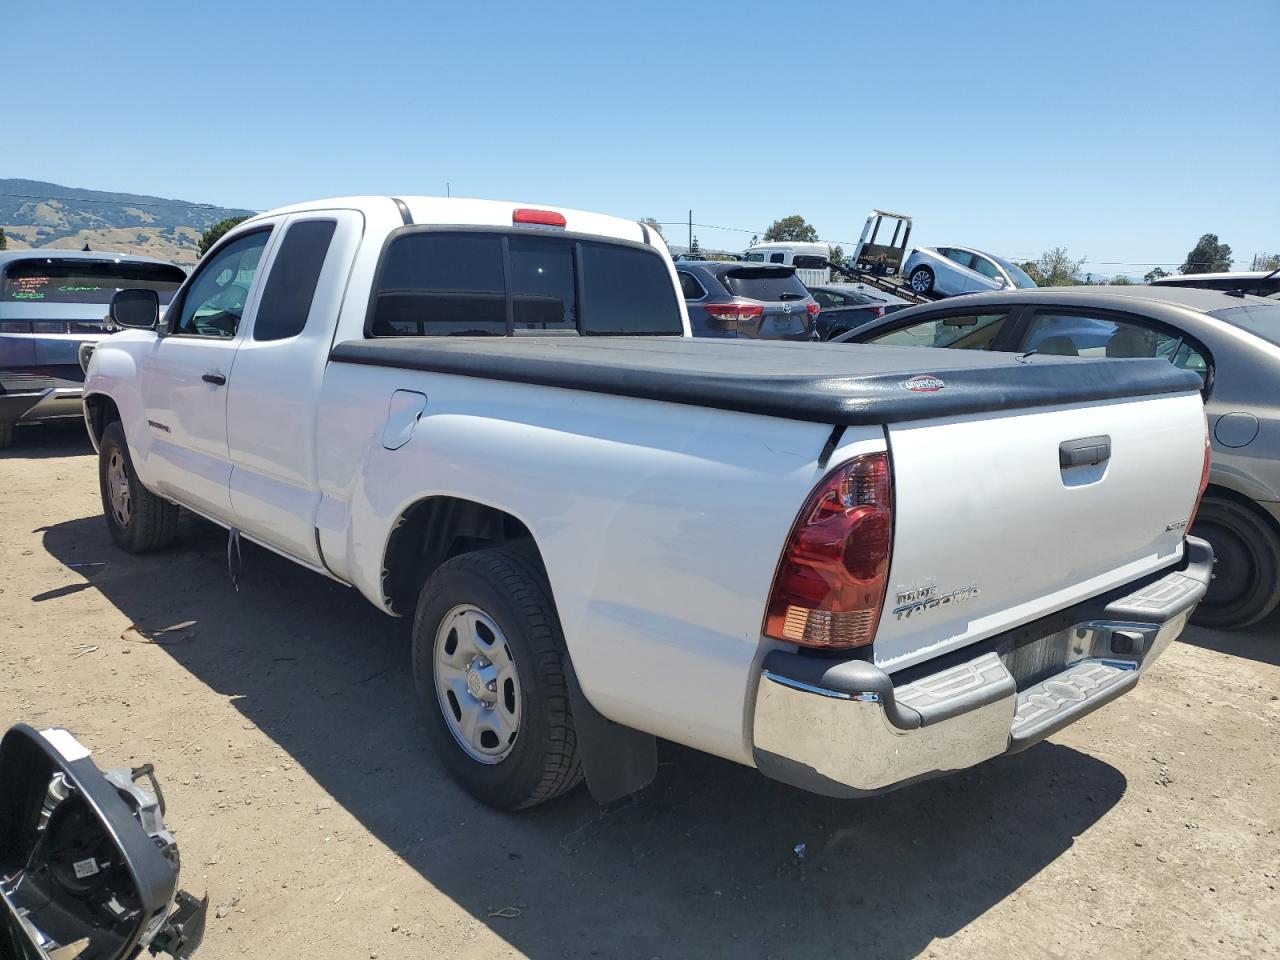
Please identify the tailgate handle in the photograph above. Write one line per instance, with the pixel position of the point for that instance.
(1085, 452)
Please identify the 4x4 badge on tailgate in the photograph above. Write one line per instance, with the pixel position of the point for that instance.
(924, 383)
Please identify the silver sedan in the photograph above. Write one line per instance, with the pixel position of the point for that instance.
(950, 271)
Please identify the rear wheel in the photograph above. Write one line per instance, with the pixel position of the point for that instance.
(139, 521)
(921, 280)
(488, 666)
(1246, 584)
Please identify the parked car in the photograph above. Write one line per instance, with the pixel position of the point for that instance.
(848, 306)
(1259, 283)
(51, 301)
(809, 259)
(492, 419)
(950, 271)
(1232, 343)
(752, 300)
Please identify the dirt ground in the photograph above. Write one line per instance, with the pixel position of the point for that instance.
(307, 803)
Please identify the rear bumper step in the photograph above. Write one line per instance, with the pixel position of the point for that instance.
(844, 728)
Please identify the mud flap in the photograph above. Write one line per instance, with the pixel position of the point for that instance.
(616, 761)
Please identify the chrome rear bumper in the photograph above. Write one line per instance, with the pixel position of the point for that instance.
(844, 728)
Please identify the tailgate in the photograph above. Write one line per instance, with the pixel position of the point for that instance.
(992, 531)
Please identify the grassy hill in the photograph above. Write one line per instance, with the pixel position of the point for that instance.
(39, 214)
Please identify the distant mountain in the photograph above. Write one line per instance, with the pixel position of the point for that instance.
(39, 214)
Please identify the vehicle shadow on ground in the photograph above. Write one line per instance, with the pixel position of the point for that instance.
(42, 441)
(706, 862)
(1260, 642)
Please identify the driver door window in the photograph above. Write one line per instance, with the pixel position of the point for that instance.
(959, 332)
(214, 303)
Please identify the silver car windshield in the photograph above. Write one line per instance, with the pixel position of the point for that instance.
(1020, 279)
(1260, 319)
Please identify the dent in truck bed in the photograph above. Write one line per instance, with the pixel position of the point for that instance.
(851, 385)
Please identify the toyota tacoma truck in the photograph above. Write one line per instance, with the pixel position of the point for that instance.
(849, 567)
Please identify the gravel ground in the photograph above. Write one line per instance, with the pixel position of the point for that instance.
(307, 803)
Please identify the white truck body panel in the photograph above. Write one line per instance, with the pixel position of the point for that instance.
(660, 524)
(1006, 520)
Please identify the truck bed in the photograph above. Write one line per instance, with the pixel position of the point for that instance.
(844, 384)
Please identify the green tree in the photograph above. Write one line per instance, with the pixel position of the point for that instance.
(1261, 261)
(654, 225)
(214, 234)
(1121, 281)
(1207, 256)
(4, 241)
(1055, 268)
(754, 240)
(1031, 270)
(1155, 274)
(791, 228)
(837, 255)
(695, 250)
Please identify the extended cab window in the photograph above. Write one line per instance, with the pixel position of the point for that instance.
(214, 303)
(967, 331)
(470, 283)
(291, 285)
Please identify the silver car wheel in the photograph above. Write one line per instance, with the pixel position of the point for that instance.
(118, 487)
(920, 281)
(477, 684)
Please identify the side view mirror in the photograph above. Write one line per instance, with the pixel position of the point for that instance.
(962, 321)
(87, 868)
(135, 309)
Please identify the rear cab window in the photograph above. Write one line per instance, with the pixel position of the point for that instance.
(764, 283)
(454, 282)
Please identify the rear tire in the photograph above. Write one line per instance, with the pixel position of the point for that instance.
(6, 434)
(921, 280)
(139, 521)
(489, 669)
(1246, 584)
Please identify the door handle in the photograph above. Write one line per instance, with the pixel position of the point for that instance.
(1085, 452)
(216, 379)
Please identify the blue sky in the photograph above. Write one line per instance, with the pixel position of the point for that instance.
(1121, 131)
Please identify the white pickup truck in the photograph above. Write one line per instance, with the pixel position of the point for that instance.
(850, 567)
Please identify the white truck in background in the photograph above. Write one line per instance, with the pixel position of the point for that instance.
(850, 567)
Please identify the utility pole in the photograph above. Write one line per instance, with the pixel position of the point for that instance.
(448, 189)
(691, 230)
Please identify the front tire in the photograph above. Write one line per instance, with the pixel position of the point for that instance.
(138, 520)
(489, 669)
(1246, 548)
(921, 280)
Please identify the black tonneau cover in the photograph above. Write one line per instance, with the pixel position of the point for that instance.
(850, 384)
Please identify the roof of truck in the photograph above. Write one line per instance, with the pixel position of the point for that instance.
(464, 211)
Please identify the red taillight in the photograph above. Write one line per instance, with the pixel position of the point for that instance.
(546, 218)
(733, 311)
(1204, 475)
(830, 584)
(813, 309)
